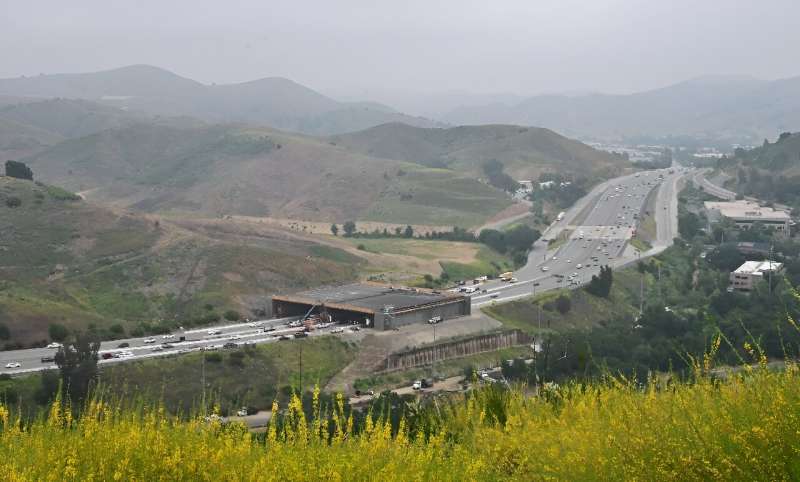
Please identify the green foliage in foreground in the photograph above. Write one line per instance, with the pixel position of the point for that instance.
(742, 428)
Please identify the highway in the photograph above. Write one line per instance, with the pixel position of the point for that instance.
(209, 338)
(606, 219)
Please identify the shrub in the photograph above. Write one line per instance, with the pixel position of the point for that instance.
(13, 202)
(563, 304)
(57, 332)
(232, 315)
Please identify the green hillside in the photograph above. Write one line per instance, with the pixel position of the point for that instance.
(524, 151)
(770, 172)
(228, 169)
(66, 261)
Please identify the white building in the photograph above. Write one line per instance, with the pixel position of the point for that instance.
(745, 213)
(750, 273)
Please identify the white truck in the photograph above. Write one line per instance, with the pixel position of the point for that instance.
(560, 216)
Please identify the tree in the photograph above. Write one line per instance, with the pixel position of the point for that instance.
(409, 232)
(5, 333)
(231, 315)
(58, 332)
(601, 285)
(349, 228)
(563, 304)
(18, 170)
(77, 362)
(335, 229)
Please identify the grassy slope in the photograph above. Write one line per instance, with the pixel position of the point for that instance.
(743, 428)
(587, 310)
(260, 172)
(75, 263)
(525, 151)
(252, 377)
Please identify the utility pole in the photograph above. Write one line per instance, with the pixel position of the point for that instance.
(301, 369)
(770, 268)
(203, 378)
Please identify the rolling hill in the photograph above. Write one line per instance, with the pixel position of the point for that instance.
(234, 169)
(64, 260)
(275, 101)
(740, 109)
(524, 151)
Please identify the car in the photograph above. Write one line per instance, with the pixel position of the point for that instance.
(157, 348)
(123, 345)
(493, 295)
(416, 385)
(579, 266)
(13, 364)
(569, 261)
(125, 354)
(295, 323)
(230, 345)
(149, 340)
(267, 329)
(167, 336)
(301, 334)
(434, 320)
(545, 269)
(51, 359)
(338, 329)
(242, 412)
(554, 258)
(104, 356)
(252, 324)
(210, 348)
(513, 280)
(234, 337)
(167, 346)
(355, 328)
(54, 345)
(285, 337)
(213, 331)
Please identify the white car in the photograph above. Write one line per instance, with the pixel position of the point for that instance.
(54, 345)
(167, 336)
(149, 340)
(213, 331)
(545, 268)
(569, 261)
(338, 329)
(125, 354)
(13, 364)
(416, 385)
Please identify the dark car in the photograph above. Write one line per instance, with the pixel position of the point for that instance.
(300, 334)
(48, 359)
(124, 345)
(106, 356)
(229, 345)
(267, 329)
(285, 337)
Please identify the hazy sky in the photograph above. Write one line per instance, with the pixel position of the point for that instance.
(363, 47)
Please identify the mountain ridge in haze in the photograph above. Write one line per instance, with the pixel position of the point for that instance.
(274, 101)
(740, 108)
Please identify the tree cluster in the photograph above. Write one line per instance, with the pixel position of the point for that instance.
(601, 285)
(18, 170)
(497, 177)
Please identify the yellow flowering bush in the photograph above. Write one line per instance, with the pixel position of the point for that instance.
(745, 427)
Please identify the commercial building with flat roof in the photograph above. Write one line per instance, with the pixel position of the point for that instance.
(374, 305)
(751, 272)
(745, 213)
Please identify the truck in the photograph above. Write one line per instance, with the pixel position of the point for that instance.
(560, 216)
(506, 276)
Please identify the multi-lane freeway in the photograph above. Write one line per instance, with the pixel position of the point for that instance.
(596, 231)
(210, 338)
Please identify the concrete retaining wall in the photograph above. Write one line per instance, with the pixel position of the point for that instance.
(455, 349)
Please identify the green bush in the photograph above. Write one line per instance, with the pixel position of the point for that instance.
(232, 315)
